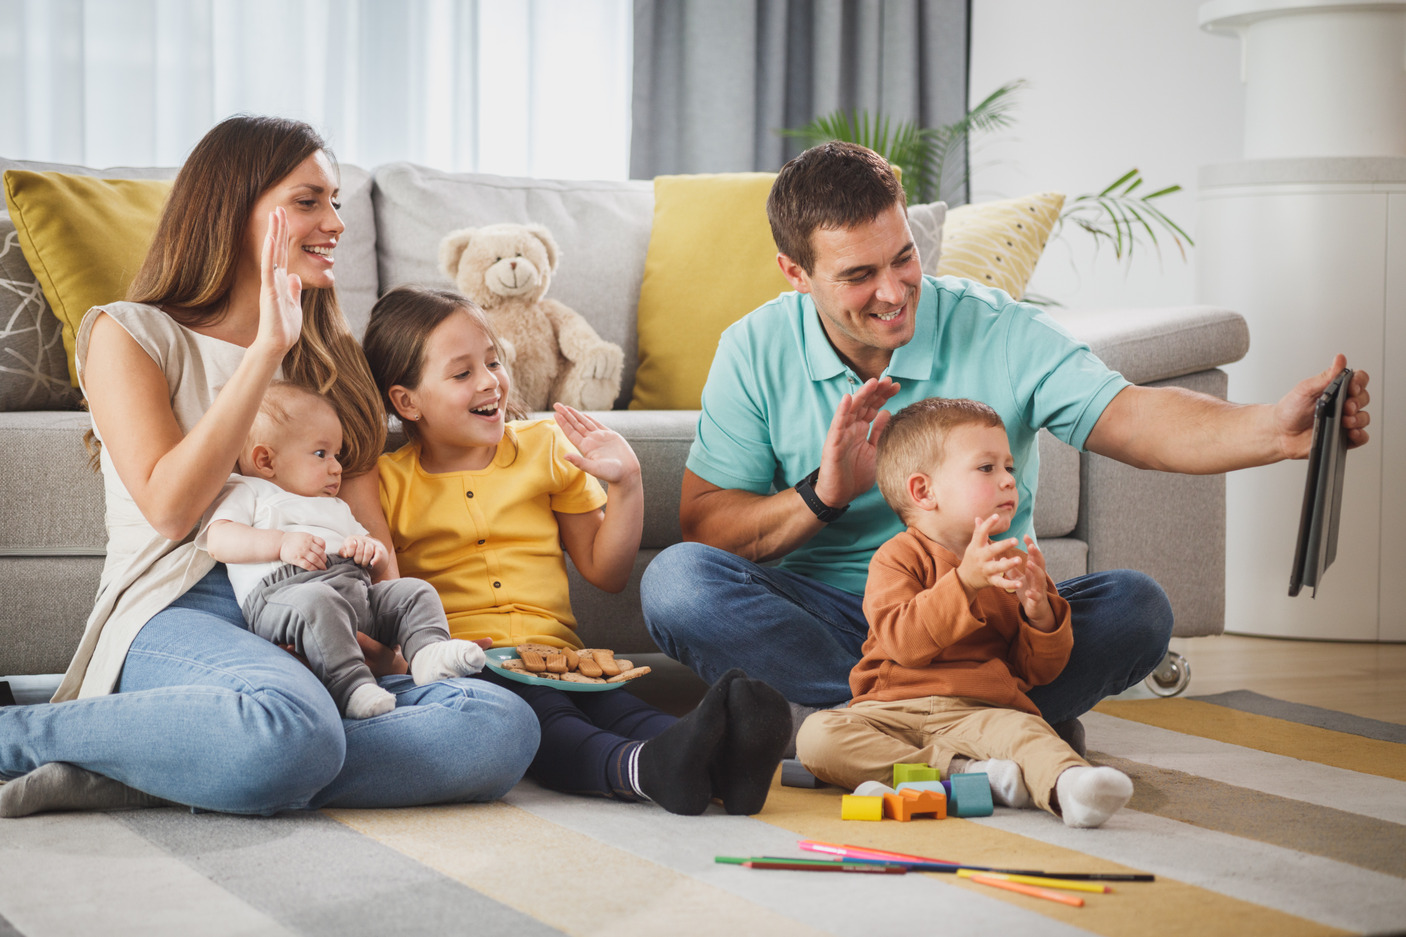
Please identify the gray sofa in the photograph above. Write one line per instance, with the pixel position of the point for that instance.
(1091, 513)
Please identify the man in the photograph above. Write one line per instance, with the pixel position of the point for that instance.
(779, 504)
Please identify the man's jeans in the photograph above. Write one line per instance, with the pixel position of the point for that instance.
(713, 611)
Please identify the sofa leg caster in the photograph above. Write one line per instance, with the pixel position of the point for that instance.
(1171, 676)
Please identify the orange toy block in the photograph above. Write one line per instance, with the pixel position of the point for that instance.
(860, 807)
(908, 803)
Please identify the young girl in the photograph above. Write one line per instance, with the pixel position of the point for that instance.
(481, 508)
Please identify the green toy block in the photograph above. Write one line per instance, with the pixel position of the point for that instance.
(914, 772)
(971, 796)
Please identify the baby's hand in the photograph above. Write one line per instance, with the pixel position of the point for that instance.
(364, 551)
(988, 564)
(303, 550)
(1031, 591)
(603, 452)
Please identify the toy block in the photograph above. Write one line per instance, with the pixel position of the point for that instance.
(971, 796)
(907, 804)
(794, 774)
(855, 807)
(914, 772)
(873, 789)
(942, 787)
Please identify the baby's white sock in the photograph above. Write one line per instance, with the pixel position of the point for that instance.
(369, 700)
(1007, 783)
(445, 659)
(1089, 796)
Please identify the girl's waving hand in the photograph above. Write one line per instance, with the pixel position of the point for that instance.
(604, 453)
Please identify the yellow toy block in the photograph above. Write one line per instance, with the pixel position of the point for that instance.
(858, 807)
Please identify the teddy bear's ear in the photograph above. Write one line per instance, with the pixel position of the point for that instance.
(541, 233)
(452, 248)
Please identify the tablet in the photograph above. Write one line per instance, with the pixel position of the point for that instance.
(1317, 542)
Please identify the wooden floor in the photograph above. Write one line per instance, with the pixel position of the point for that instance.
(1363, 679)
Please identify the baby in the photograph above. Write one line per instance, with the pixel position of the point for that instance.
(272, 526)
(959, 629)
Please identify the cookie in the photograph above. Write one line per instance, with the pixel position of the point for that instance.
(630, 674)
(580, 678)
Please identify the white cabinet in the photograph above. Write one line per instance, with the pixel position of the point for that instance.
(1313, 253)
(1307, 239)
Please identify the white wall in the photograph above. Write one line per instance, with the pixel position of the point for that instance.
(1113, 84)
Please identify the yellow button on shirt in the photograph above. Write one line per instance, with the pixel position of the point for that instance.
(488, 540)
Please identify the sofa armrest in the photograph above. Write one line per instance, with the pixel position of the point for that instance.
(1148, 345)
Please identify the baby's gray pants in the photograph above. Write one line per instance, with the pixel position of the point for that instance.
(319, 612)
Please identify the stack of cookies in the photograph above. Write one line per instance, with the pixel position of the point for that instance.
(588, 665)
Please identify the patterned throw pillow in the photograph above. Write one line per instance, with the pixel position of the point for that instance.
(33, 365)
(997, 243)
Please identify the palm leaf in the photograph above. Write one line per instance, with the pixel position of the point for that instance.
(1120, 216)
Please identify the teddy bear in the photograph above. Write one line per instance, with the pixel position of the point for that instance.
(552, 353)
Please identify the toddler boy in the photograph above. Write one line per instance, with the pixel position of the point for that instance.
(959, 629)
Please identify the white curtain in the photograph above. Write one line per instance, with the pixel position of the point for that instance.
(517, 87)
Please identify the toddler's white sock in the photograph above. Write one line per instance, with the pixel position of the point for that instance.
(1089, 796)
(1007, 783)
(369, 700)
(445, 659)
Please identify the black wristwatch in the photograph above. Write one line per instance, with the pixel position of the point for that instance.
(806, 489)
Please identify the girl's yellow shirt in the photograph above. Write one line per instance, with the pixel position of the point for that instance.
(488, 540)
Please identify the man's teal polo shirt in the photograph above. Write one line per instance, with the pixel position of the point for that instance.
(776, 381)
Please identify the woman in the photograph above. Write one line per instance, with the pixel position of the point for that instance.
(168, 694)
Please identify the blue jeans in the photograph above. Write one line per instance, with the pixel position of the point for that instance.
(712, 611)
(209, 714)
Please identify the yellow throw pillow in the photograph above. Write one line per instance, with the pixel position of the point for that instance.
(84, 238)
(998, 243)
(711, 260)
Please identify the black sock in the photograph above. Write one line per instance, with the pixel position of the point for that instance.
(674, 765)
(758, 731)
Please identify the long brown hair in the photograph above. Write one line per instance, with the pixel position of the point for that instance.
(190, 268)
(400, 325)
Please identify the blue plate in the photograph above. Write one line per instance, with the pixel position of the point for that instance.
(498, 654)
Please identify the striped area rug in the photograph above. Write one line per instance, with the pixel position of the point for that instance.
(1256, 816)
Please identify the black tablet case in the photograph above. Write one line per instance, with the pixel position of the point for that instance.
(1317, 542)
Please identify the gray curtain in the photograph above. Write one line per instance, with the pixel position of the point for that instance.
(715, 79)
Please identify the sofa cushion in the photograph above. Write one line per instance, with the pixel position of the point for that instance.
(711, 261)
(53, 501)
(1057, 492)
(998, 243)
(33, 366)
(84, 238)
(601, 228)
